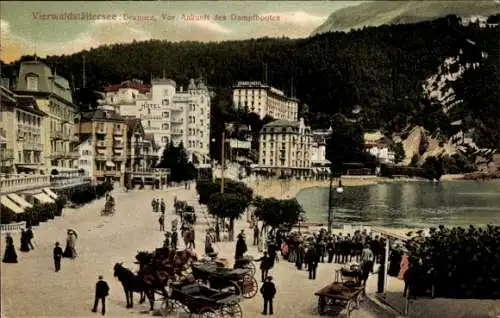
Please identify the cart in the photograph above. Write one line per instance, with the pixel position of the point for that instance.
(200, 300)
(338, 297)
(246, 262)
(240, 279)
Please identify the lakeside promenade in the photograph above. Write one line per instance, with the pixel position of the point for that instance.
(31, 288)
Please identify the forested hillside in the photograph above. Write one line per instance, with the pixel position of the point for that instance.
(379, 70)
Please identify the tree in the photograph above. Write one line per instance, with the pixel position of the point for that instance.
(273, 212)
(399, 152)
(175, 158)
(227, 205)
(433, 168)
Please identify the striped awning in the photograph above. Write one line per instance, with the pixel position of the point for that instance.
(11, 205)
(328, 170)
(20, 201)
(43, 198)
(50, 193)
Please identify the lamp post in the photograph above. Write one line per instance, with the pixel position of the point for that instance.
(339, 190)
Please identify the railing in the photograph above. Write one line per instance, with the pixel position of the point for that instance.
(69, 181)
(13, 227)
(118, 157)
(101, 157)
(118, 144)
(101, 144)
(177, 132)
(56, 135)
(14, 182)
(73, 154)
(57, 154)
(6, 154)
(177, 121)
(100, 130)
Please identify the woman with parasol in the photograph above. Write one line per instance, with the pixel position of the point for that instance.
(70, 251)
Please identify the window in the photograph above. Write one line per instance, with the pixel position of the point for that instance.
(165, 102)
(165, 126)
(165, 114)
(32, 82)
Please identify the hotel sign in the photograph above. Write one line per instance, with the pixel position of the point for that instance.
(249, 84)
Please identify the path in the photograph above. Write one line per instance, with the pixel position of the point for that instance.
(31, 288)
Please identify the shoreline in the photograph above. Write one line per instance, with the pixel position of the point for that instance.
(286, 189)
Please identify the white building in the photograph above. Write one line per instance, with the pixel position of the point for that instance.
(265, 100)
(285, 148)
(377, 145)
(318, 148)
(86, 160)
(167, 113)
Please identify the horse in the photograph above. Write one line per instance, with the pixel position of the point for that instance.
(134, 283)
(188, 234)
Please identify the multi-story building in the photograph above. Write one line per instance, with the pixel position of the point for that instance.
(108, 135)
(53, 97)
(86, 151)
(265, 100)
(318, 149)
(138, 147)
(285, 148)
(21, 133)
(167, 113)
(377, 145)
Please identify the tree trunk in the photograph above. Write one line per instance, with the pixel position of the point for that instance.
(231, 229)
(217, 229)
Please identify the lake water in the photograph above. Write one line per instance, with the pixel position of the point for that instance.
(413, 204)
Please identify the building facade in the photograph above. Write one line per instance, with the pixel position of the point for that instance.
(169, 113)
(21, 147)
(86, 160)
(53, 97)
(318, 148)
(265, 100)
(377, 145)
(285, 148)
(108, 134)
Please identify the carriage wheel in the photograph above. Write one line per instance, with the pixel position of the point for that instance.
(249, 286)
(234, 288)
(232, 310)
(251, 267)
(207, 313)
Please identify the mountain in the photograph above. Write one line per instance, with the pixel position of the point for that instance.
(400, 12)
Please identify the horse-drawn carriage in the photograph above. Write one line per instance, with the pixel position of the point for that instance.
(201, 300)
(186, 212)
(239, 280)
(109, 207)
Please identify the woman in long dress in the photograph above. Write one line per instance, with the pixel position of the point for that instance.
(70, 250)
(10, 255)
(24, 241)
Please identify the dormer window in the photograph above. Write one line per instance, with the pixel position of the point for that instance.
(32, 82)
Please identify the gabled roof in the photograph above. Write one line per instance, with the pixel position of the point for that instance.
(134, 125)
(134, 84)
(101, 115)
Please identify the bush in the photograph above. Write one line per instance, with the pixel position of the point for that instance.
(7, 216)
(60, 204)
(457, 262)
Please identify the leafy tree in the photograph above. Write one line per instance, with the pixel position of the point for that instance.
(274, 212)
(227, 205)
(433, 168)
(414, 161)
(399, 152)
(175, 158)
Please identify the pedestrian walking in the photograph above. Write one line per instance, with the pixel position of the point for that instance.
(265, 266)
(367, 258)
(161, 220)
(57, 253)
(101, 292)
(268, 291)
(30, 236)
(255, 234)
(10, 255)
(162, 206)
(312, 262)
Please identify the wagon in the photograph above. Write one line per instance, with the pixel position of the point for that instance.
(200, 300)
(240, 279)
(246, 262)
(337, 297)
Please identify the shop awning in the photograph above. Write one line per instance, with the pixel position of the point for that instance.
(43, 198)
(20, 201)
(11, 205)
(50, 193)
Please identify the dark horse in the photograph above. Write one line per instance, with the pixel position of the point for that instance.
(133, 283)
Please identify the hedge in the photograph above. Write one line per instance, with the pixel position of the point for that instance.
(89, 193)
(456, 263)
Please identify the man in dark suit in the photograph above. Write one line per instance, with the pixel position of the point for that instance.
(101, 292)
(57, 256)
(312, 261)
(268, 291)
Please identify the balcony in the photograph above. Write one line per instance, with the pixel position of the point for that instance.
(177, 132)
(118, 157)
(73, 155)
(57, 135)
(67, 136)
(57, 155)
(10, 183)
(101, 157)
(117, 132)
(6, 154)
(176, 120)
(118, 144)
(32, 146)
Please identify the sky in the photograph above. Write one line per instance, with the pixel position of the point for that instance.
(56, 28)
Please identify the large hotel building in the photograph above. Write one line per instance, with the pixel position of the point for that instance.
(265, 100)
